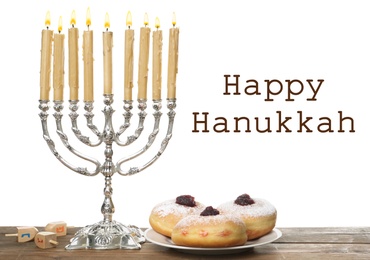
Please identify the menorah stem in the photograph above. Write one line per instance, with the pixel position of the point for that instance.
(107, 209)
(108, 168)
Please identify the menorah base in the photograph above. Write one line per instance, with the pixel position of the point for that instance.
(107, 235)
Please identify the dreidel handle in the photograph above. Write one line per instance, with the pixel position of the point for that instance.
(53, 242)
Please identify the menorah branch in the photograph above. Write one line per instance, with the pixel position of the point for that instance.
(171, 105)
(132, 138)
(157, 116)
(73, 106)
(127, 115)
(44, 107)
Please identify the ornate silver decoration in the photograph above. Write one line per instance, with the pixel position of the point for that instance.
(107, 234)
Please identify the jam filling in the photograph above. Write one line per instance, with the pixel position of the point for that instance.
(186, 200)
(209, 211)
(244, 200)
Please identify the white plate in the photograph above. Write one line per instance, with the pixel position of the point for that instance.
(161, 240)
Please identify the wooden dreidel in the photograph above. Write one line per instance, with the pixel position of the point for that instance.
(58, 227)
(46, 239)
(24, 234)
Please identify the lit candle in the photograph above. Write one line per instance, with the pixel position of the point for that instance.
(129, 59)
(73, 59)
(107, 54)
(45, 64)
(88, 60)
(173, 51)
(143, 59)
(157, 62)
(58, 69)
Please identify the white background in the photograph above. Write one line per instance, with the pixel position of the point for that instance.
(313, 179)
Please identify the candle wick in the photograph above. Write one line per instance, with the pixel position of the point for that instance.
(73, 25)
(129, 26)
(58, 31)
(106, 29)
(47, 27)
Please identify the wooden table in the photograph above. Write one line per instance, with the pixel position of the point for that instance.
(295, 243)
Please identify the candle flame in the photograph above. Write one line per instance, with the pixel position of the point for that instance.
(88, 17)
(129, 19)
(60, 24)
(47, 19)
(107, 21)
(146, 19)
(173, 19)
(157, 23)
(73, 18)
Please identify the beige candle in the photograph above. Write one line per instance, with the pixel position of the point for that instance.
(173, 49)
(45, 64)
(73, 59)
(129, 59)
(143, 59)
(107, 54)
(58, 68)
(157, 62)
(88, 60)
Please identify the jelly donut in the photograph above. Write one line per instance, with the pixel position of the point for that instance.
(165, 215)
(259, 215)
(210, 229)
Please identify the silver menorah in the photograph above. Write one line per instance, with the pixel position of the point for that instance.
(108, 233)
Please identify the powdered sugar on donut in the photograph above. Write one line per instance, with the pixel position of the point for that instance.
(261, 207)
(168, 207)
(208, 220)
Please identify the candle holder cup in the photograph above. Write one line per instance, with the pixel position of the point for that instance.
(108, 233)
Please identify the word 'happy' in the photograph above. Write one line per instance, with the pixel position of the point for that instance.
(275, 87)
(290, 88)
